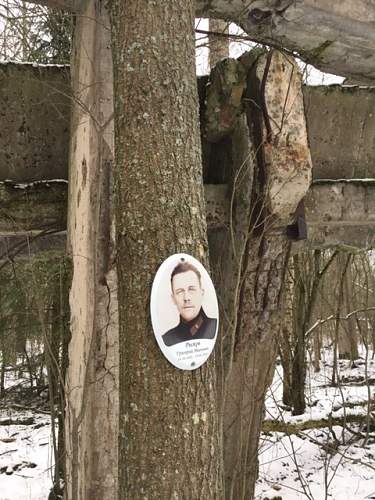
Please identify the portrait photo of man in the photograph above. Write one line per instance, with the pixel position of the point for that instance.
(187, 296)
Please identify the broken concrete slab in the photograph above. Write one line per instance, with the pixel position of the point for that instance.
(286, 154)
(336, 37)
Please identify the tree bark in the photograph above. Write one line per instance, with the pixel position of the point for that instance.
(168, 437)
(286, 337)
(348, 338)
(91, 387)
(251, 371)
(302, 304)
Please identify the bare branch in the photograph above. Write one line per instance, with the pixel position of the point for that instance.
(333, 317)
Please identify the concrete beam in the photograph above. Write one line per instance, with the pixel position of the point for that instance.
(35, 110)
(336, 37)
(337, 214)
(13, 247)
(67, 5)
(341, 214)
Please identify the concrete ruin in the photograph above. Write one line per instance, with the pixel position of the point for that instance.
(269, 123)
(35, 112)
(336, 37)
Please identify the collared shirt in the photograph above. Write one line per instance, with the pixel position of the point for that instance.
(201, 327)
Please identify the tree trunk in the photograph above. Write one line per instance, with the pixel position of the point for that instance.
(2, 372)
(91, 386)
(317, 346)
(342, 266)
(301, 297)
(252, 367)
(308, 273)
(250, 256)
(64, 331)
(286, 337)
(348, 338)
(168, 445)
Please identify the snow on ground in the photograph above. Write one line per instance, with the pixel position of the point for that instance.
(26, 455)
(314, 464)
(295, 467)
(326, 463)
(322, 399)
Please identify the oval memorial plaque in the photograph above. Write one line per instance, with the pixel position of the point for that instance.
(184, 311)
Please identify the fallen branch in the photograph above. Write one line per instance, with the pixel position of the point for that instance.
(18, 421)
(295, 428)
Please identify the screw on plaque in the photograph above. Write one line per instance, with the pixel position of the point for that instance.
(193, 363)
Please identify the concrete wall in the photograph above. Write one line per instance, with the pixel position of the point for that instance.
(35, 112)
(34, 121)
(341, 130)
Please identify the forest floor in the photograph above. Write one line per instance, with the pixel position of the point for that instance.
(323, 454)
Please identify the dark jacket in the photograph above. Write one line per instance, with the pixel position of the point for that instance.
(200, 327)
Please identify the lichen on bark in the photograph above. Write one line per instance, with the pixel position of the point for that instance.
(160, 211)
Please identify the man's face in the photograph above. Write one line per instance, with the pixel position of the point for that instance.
(187, 294)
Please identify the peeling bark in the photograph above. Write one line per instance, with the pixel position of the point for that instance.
(92, 378)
